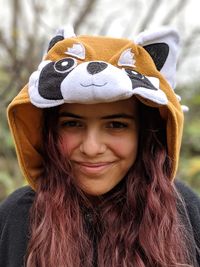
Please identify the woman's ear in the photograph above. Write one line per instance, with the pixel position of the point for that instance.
(61, 34)
(163, 46)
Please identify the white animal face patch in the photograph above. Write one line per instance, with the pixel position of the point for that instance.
(65, 81)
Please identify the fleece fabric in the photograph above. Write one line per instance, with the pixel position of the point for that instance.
(14, 224)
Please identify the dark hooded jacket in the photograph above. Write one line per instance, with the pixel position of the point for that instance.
(14, 224)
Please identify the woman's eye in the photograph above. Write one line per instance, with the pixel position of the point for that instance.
(71, 124)
(117, 125)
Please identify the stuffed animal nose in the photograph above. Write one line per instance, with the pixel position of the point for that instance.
(95, 67)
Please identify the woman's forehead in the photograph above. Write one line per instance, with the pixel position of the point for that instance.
(129, 106)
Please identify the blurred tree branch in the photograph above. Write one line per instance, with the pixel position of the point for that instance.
(14, 32)
(4, 44)
(188, 43)
(174, 11)
(87, 9)
(146, 20)
(108, 22)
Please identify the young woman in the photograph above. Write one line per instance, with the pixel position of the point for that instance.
(98, 132)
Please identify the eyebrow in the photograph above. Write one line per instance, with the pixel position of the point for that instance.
(69, 114)
(108, 117)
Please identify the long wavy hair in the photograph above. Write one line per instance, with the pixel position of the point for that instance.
(136, 224)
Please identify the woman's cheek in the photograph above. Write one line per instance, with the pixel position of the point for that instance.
(124, 147)
(68, 143)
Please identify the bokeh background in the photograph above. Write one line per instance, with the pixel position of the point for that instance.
(27, 26)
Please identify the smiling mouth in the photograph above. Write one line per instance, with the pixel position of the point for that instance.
(93, 84)
(93, 168)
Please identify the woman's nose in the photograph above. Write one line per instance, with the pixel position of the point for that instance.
(92, 144)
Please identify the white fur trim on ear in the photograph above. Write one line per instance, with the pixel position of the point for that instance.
(77, 50)
(178, 97)
(171, 38)
(66, 32)
(127, 58)
(185, 108)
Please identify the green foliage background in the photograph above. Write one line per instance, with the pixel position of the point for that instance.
(189, 169)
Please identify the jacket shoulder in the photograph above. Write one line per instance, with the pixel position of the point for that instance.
(14, 226)
(192, 205)
(15, 204)
(189, 195)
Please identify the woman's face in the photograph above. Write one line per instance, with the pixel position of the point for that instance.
(101, 141)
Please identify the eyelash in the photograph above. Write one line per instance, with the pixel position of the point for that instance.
(72, 124)
(109, 125)
(117, 125)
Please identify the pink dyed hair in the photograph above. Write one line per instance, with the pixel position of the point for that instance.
(134, 225)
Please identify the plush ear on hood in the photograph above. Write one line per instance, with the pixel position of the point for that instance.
(163, 46)
(61, 34)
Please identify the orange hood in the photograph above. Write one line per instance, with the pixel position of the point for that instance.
(144, 68)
